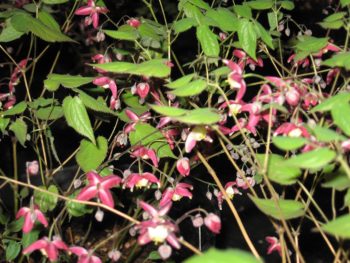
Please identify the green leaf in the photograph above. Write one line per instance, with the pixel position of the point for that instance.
(225, 19)
(4, 122)
(311, 44)
(260, 4)
(277, 171)
(183, 25)
(49, 113)
(208, 41)
(324, 134)
(272, 20)
(332, 25)
(49, 21)
(54, 2)
(193, 12)
(68, 81)
(288, 143)
(46, 202)
(42, 102)
(279, 209)
(312, 160)
(30, 238)
(328, 104)
(339, 227)
(168, 111)
(152, 68)
(15, 225)
(202, 116)
(347, 198)
(341, 116)
(25, 23)
(12, 250)
(247, 37)
(125, 32)
(341, 60)
(17, 109)
(19, 128)
(243, 11)
(180, 82)
(230, 255)
(90, 156)
(334, 17)
(288, 5)
(93, 104)
(9, 33)
(77, 117)
(193, 88)
(75, 209)
(337, 180)
(264, 35)
(200, 4)
(344, 2)
(148, 136)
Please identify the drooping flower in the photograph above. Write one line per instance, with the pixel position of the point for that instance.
(99, 187)
(183, 166)
(140, 180)
(48, 248)
(106, 83)
(213, 223)
(134, 118)
(92, 11)
(230, 190)
(32, 168)
(133, 22)
(292, 130)
(197, 134)
(274, 245)
(245, 183)
(85, 256)
(142, 89)
(31, 214)
(158, 228)
(176, 193)
(145, 153)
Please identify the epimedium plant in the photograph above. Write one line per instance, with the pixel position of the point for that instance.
(285, 132)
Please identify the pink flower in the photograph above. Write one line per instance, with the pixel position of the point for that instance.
(198, 133)
(133, 22)
(274, 245)
(213, 223)
(176, 194)
(135, 119)
(245, 183)
(48, 248)
(32, 168)
(142, 89)
(235, 79)
(157, 229)
(99, 187)
(85, 256)
(140, 180)
(230, 189)
(145, 153)
(106, 83)
(92, 11)
(114, 255)
(183, 166)
(30, 216)
(292, 130)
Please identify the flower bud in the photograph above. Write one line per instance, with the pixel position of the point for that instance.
(32, 168)
(164, 251)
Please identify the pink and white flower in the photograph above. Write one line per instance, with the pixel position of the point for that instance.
(177, 193)
(213, 223)
(145, 153)
(183, 166)
(31, 214)
(92, 11)
(85, 256)
(140, 180)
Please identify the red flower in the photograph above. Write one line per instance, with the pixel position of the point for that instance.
(142, 89)
(157, 229)
(213, 222)
(106, 83)
(92, 11)
(48, 248)
(85, 256)
(140, 180)
(30, 216)
(183, 166)
(133, 22)
(135, 119)
(99, 187)
(175, 194)
(274, 245)
(145, 153)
